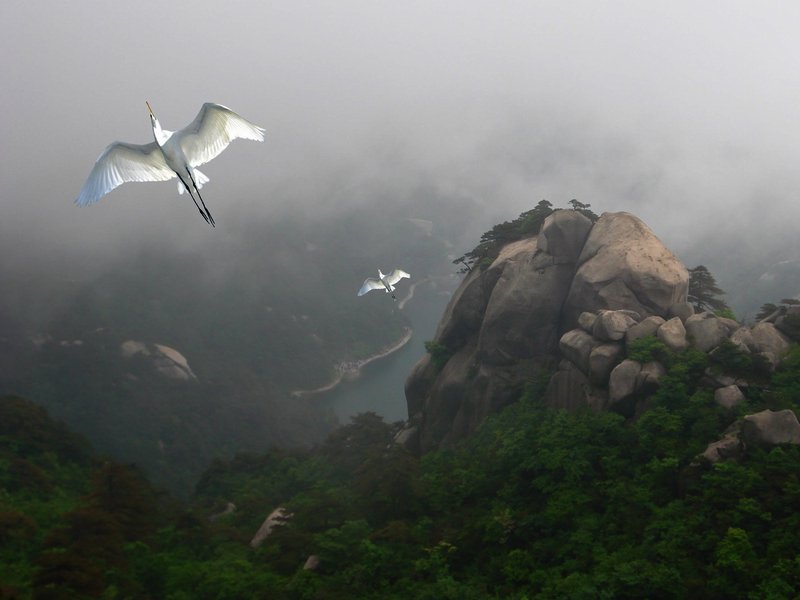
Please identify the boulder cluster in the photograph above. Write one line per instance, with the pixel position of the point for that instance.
(594, 371)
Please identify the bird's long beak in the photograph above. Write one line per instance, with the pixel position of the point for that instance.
(148, 107)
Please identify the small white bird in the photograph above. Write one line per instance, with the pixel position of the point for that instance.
(383, 281)
(174, 153)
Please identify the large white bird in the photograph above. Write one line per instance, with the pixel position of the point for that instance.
(383, 282)
(174, 153)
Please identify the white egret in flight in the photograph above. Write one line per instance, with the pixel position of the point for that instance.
(383, 281)
(174, 153)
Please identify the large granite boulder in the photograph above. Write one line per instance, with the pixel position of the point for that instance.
(623, 265)
(770, 428)
(770, 342)
(601, 362)
(729, 396)
(577, 346)
(611, 325)
(706, 331)
(648, 326)
(673, 334)
(622, 385)
(563, 234)
(522, 314)
(164, 360)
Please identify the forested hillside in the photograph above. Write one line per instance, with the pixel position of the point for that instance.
(538, 503)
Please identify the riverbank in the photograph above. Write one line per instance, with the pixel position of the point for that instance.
(351, 368)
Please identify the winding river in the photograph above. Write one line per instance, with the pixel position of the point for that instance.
(380, 387)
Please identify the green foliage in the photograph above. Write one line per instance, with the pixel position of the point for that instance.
(649, 348)
(537, 503)
(526, 225)
(728, 358)
(703, 290)
(440, 354)
(726, 313)
(584, 209)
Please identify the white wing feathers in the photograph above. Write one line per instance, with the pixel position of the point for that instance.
(370, 283)
(122, 162)
(214, 127)
(396, 276)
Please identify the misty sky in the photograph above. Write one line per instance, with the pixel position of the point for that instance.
(685, 113)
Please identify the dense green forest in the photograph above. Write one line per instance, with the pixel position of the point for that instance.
(539, 503)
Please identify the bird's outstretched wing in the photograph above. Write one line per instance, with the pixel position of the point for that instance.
(396, 276)
(122, 162)
(370, 283)
(214, 127)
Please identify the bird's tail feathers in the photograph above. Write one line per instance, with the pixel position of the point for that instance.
(199, 178)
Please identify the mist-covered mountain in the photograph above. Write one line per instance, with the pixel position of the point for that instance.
(169, 357)
(578, 429)
(576, 300)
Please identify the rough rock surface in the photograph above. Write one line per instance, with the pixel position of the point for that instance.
(576, 296)
(706, 331)
(646, 327)
(729, 396)
(611, 325)
(564, 233)
(673, 334)
(602, 360)
(520, 315)
(771, 428)
(577, 346)
(164, 360)
(624, 265)
(622, 383)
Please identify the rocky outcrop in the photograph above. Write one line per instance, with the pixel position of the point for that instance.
(763, 429)
(521, 315)
(277, 517)
(573, 300)
(164, 360)
(623, 265)
(770, 428)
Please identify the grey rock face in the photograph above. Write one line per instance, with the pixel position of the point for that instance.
(622, 384)
(648, 326)
(729, 447)
(623, 265)
(568, 388)
(611, 325)
(586, 321)
(649, 377)
(767, 339)
(729, 396)
(564, 233)
(771, 428)
(521, 320)
(519, 315)
(706, 331)
(673, 334)
(576, 346)
(602, 360)
(683, 310)
(743, 340)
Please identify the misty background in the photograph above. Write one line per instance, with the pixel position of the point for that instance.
(684, 113)
(462, 114)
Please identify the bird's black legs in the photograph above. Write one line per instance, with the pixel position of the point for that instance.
(196, 189)
(200, 210)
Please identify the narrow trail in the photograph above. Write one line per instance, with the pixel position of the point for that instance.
(353, 367)
(410, 294)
